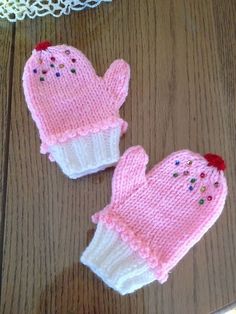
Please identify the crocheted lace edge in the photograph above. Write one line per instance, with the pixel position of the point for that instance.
(19, 16)
(76, 133)
(115, 223)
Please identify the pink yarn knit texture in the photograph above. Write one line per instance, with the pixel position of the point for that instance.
(163, 213)
(67, 99)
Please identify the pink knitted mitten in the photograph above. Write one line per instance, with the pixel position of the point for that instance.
(154, 219)
(76, 111)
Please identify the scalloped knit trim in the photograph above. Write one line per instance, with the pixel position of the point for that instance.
(115, 223)
(74, 134)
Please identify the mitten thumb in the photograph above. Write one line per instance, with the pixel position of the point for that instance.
(117, 81)
(129, 174)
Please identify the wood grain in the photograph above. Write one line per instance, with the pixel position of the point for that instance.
(182, 95)
(6, 65)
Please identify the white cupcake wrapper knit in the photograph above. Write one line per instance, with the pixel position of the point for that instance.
(88, 154)
(115, 263)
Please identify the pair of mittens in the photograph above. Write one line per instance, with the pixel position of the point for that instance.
(76, 111)
(154, 219)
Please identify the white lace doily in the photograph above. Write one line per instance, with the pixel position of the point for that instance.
(15, 10)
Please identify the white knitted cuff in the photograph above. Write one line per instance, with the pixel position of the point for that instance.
(88, 154)
(115, 263)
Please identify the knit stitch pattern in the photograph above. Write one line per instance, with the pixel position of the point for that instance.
(67, 99)
(163, 213)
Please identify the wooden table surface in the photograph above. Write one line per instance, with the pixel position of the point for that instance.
(182, 95)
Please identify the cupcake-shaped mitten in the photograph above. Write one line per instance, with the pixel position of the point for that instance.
(76, 111)
(154, 219)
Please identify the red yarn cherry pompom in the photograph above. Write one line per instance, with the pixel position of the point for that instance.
(43, 45)
(215, 161)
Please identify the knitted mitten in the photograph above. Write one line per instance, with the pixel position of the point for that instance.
(154, 219)
(76, 111)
